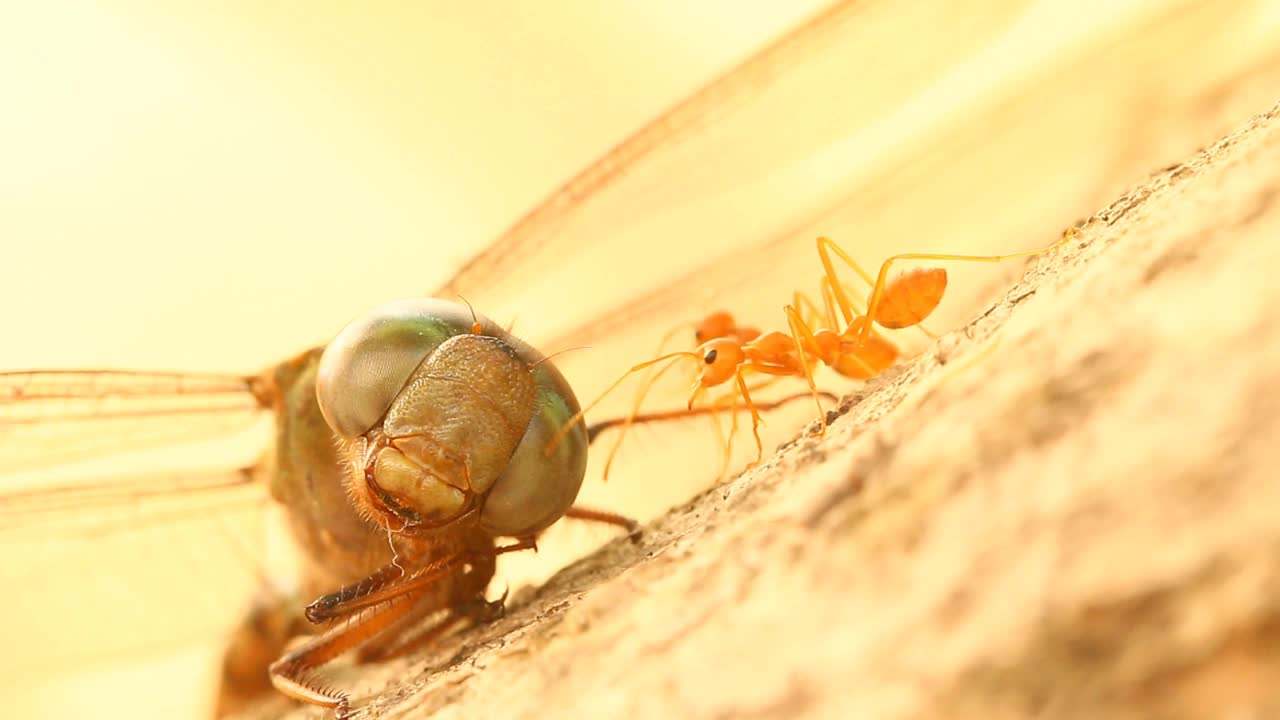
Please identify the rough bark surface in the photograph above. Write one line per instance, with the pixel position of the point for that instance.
(1066, 509)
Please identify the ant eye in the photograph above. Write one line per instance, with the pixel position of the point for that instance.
(710, 357)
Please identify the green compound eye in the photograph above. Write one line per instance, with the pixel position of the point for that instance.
(368, 363)
(460, 421)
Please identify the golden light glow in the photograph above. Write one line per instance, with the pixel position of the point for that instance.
(218, 187)
(215, 187)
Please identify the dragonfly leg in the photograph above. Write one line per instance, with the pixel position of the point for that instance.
(377, 604)
(578, 512)
(293, 674)
(394, 644)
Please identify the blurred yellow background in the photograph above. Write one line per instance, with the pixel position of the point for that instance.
(217, 187)
(214, 186)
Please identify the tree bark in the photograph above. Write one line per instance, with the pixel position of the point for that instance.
(1066, 509)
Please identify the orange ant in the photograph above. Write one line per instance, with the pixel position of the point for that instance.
(716, 325)
(857, 351)
(725, 357)
(729, 350)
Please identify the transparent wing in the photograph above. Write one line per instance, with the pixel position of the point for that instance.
(908, 126)
(125, 566)
(110, 516)
(50, 417)
(724, 190)
(95, 509)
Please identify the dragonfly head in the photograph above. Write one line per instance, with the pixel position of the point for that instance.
(442, 422)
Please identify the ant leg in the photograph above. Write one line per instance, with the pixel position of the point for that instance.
(726, 446)
(745, 391)
(731, 398)
(910, 309)
(839, 293)
(712, 408)
(829, 303)
(909, 304)
(804, 339)
(756, 421)
(755, 417)
(733, 431)
(863, 311)
(876, 295)
(826, 246)
(726, 443)
(810, 312)
(829, 295)
(863, 359)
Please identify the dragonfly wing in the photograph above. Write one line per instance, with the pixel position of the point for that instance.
(116, 536)
(98, 570)
(714, 204)
(718, 190)
(682, 190)
(906, 126)
(61, 417)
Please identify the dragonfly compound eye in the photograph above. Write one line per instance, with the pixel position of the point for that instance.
(368, 363)
(445, 422)
(538, 488)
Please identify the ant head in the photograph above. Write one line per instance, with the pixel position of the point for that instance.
(720, 359)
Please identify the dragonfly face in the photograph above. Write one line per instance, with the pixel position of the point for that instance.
(444, 415)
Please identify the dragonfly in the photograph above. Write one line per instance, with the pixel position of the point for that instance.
(713, 204)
